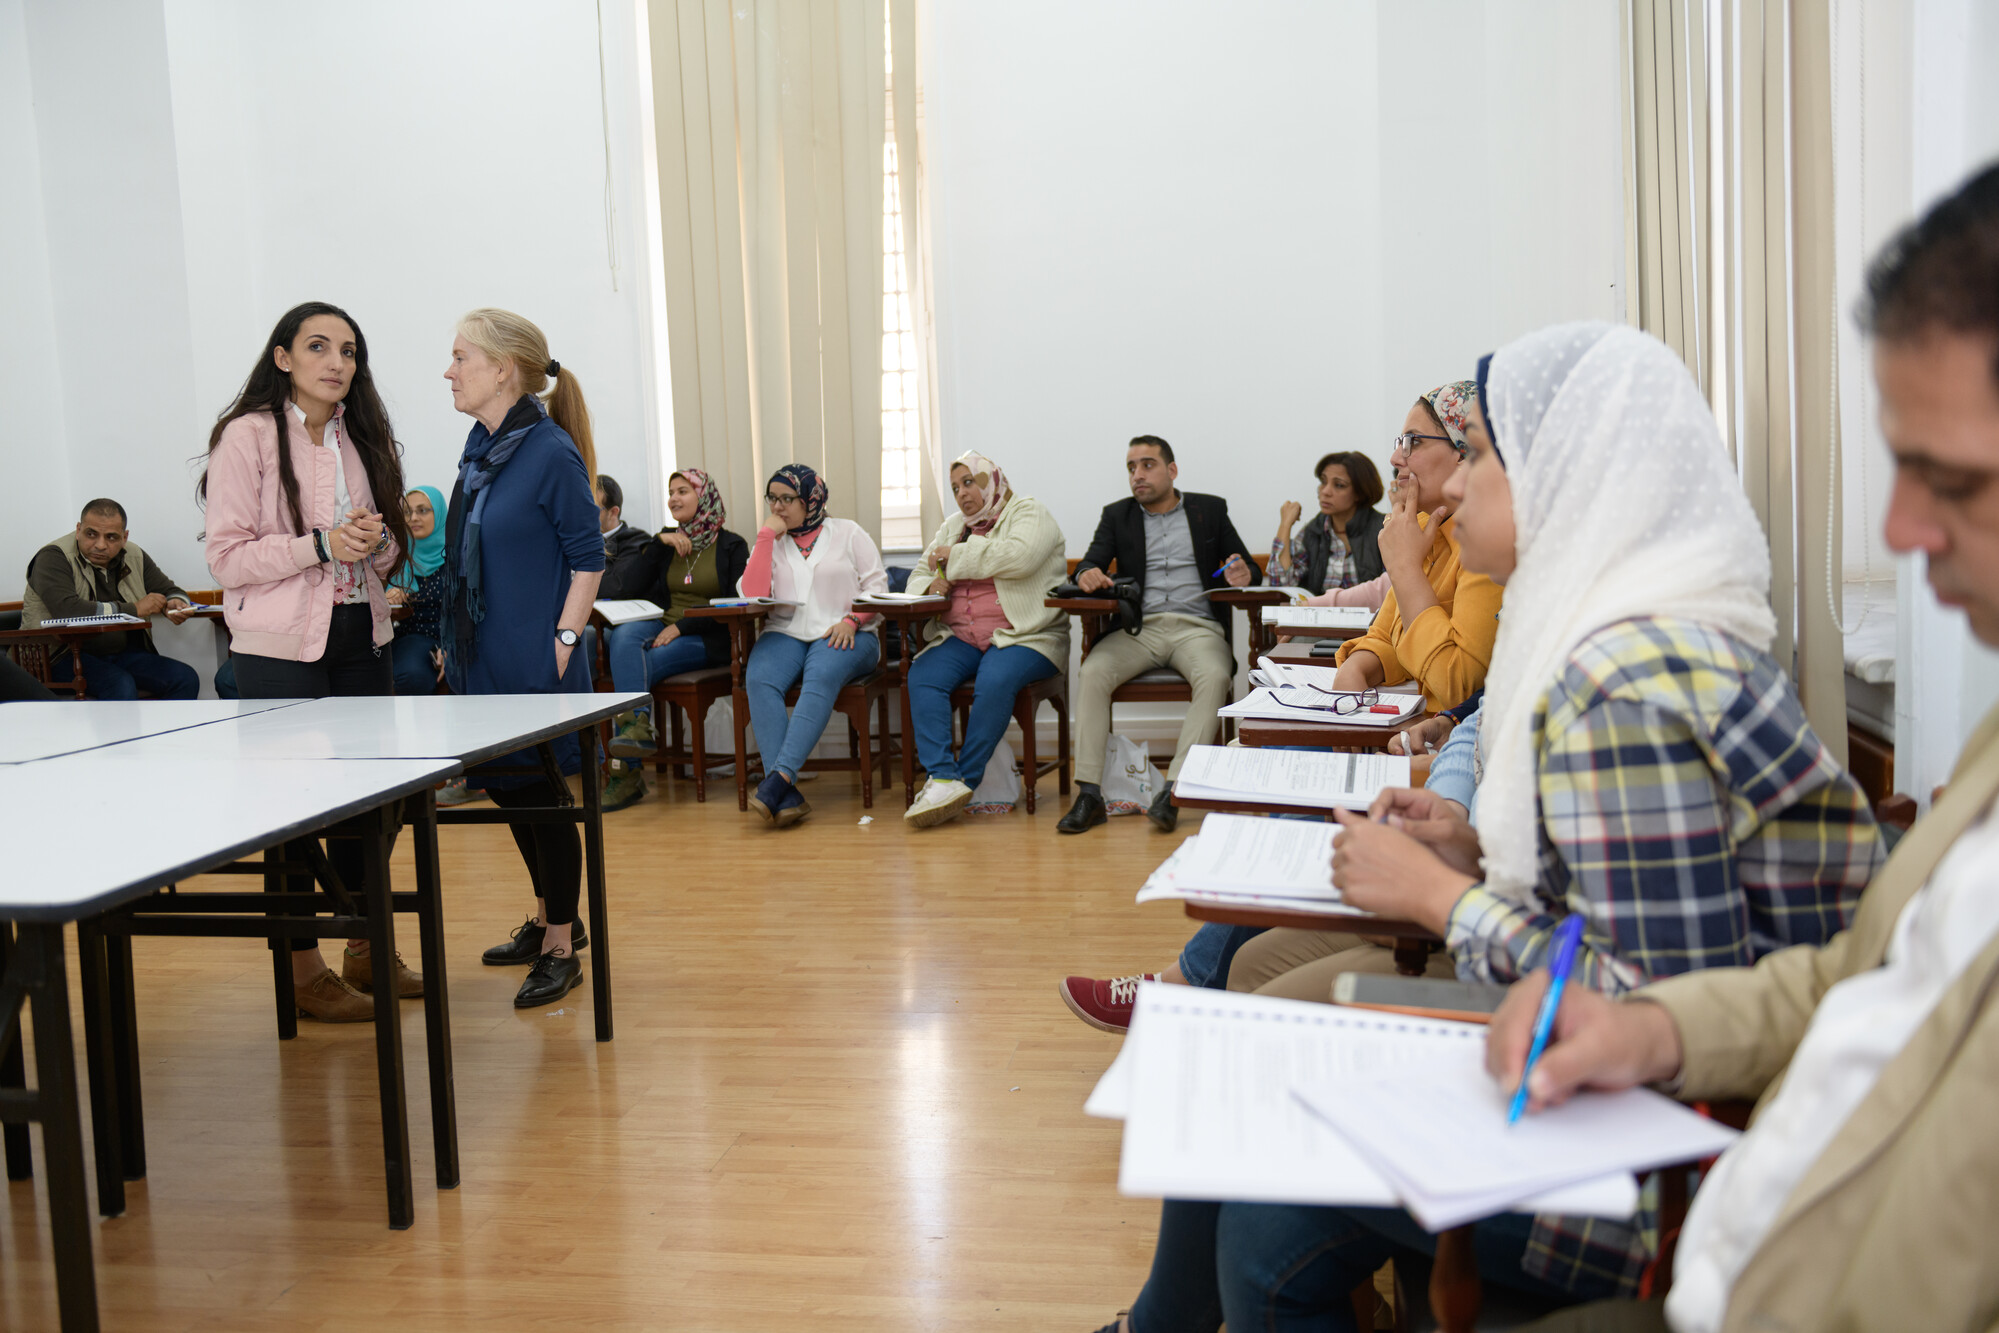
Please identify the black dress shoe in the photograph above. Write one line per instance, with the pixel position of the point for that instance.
(1164, 815)
(1086, 813)
(552, 977)
(524, 945)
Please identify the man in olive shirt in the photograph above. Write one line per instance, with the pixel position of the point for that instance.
(97, 571)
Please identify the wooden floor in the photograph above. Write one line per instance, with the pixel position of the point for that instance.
(843, 1095)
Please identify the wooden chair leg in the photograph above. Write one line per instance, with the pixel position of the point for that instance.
(678, 732)
(866, 761)
(1030, 766)
(739, 705)
(1455, 1293)
(699, 741)
(1065, 762)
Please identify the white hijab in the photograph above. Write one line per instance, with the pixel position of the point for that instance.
(1625, 504)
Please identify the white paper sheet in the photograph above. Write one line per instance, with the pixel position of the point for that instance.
(1322, 778)
(751, 601)
(625, 612)
(1318, 617)
(1209, 1112)
(1112, 1095)
(1290, 858)
(899, 598)
(1438, 1132)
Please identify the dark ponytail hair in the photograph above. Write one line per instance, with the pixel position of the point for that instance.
(364, 420)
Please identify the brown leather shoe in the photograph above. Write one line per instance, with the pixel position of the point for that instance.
(359, 972)
(331, 1000)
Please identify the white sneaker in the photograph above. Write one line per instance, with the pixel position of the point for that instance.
(937, 802)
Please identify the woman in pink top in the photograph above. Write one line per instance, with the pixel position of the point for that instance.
(995, 559)
(303, 550)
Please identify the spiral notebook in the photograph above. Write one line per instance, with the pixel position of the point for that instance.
(85, 622)
(1209, 1110)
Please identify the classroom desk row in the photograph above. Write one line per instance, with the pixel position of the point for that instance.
(223, 780)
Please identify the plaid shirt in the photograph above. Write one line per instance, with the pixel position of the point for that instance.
(1691, 814)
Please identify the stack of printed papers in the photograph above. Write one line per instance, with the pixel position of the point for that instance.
(1327, 779)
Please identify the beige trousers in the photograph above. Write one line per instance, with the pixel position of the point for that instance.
(1192, 646)
(1302, 964)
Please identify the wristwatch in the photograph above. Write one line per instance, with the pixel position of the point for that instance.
(567, 637)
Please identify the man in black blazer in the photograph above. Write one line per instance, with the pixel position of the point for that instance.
(1178, 546)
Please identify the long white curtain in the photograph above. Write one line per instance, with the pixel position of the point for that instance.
(769, 120)
(1730, 261)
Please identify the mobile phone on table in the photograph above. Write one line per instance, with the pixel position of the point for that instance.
(1425, 997)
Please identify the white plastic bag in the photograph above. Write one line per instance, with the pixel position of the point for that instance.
(999, 790)
(1130, 782)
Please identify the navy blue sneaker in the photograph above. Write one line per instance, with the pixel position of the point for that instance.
(770, 794)
(792, 808)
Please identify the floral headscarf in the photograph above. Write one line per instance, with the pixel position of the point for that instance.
(810, 489)
(706, 525)
(1452, 404)
(990, 482)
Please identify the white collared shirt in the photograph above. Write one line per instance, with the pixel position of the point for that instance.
(356, 587)
(1861, 1024)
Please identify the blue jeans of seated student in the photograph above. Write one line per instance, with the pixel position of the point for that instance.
(409, 659)
(1292, 1267)
(820, 670)
(1205, 959)
(998, 676)
(123, 675)
(635, 668)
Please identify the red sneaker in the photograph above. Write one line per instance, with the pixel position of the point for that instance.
(1105, 1005)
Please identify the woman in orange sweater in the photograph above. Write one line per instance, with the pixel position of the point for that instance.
(1437, 625)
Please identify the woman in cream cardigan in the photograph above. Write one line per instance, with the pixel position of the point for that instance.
(995, 559)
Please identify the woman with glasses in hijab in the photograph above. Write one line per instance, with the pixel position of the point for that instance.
(817, 566)
(419, 586)
(1437, 624)
(995, 559)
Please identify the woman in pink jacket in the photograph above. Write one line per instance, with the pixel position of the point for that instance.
(303, 553)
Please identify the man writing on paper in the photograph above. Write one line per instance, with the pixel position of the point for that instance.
(1862, 1196)
(1178, 546)
(97, 571)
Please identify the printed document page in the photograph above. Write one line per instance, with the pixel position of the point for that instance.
(1290, 858)
(1320, 778)
(1319, 617)
(625, 612)
(1208, 1111)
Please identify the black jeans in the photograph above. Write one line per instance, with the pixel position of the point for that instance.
(350, 666)
(553, 852)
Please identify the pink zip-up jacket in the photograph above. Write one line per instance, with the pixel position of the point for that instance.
(278, 597)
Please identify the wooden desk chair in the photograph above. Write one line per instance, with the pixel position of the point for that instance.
(1455, 1289)
(684, 701)
(1055, 690)
(33, 656)
(854, 702)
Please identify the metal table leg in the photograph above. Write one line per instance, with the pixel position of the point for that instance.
(104, 1135)
(593, 866)
(436, 997)
(375, 832)
(125, 1053)
(13, 1073)
(38, 964)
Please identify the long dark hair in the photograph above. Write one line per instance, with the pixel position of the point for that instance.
(365, 421)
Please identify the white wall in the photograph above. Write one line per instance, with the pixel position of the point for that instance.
(1257, 230)
(182, 171)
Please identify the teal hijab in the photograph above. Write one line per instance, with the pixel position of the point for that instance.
(426, 553)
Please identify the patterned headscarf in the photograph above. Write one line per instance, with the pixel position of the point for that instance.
(810, 489)
(990, 482)
(1452, 404)
(706, 525)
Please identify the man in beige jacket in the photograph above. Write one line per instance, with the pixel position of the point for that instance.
(1866, 1192)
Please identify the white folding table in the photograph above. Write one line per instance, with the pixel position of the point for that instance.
(197, 814)
(45, 730)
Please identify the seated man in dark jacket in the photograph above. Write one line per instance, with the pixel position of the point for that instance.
(1177, 546)
(97, 571)
(623, 543)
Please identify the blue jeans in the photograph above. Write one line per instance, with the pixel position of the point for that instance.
(999, 675)
(820, 670)
(123, 675)
(636, 668)
(1205, 959)
(409, 658)
(1293, 1267)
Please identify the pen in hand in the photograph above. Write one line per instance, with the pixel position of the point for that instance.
(1567, 936)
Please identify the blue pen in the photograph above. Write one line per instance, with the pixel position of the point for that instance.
(1567, 936)
(1224, 569)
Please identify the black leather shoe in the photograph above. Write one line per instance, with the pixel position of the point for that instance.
(552, 977)
(1086, 813)
(524, 945)
(1164, 815)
